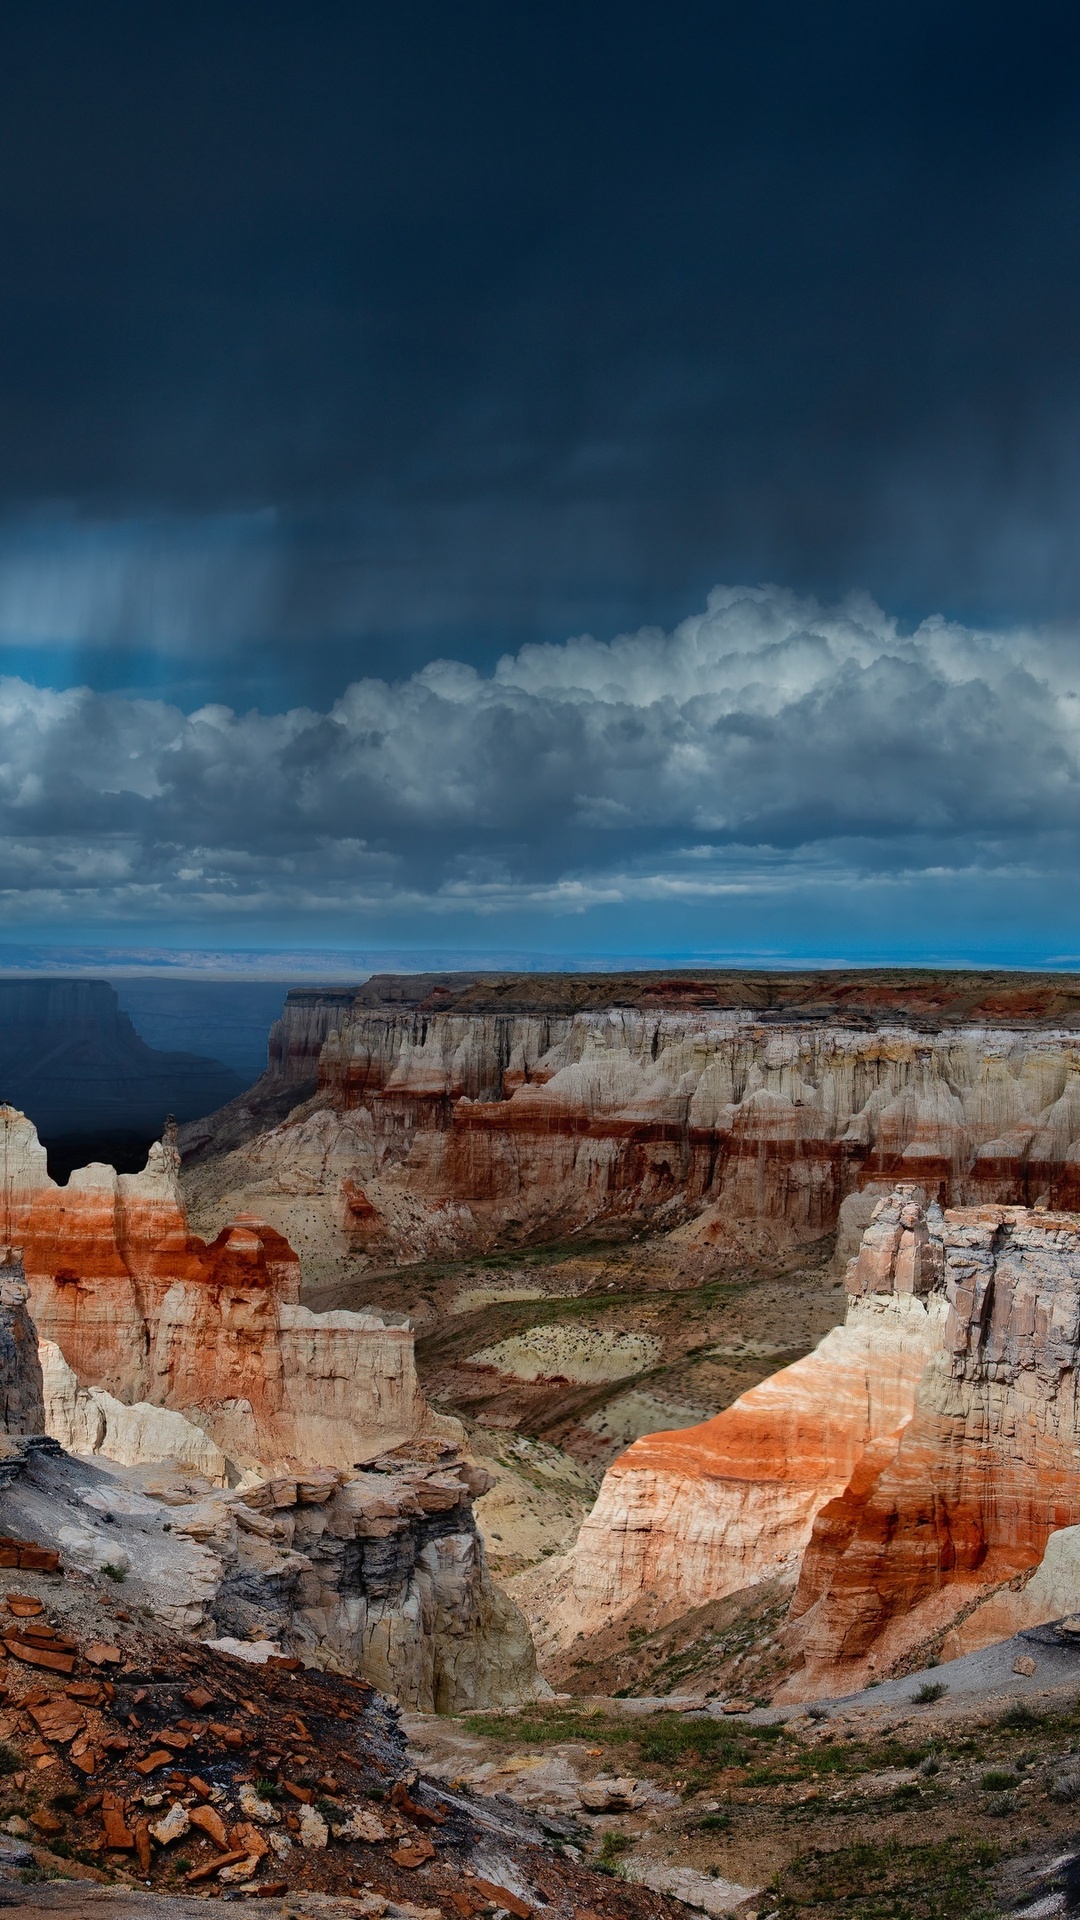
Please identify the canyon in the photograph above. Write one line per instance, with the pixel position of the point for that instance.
(252, 1282)
(620, 1335)
(732, 1120)
(906, 1477)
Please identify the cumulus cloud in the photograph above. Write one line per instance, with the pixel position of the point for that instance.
(766, 741)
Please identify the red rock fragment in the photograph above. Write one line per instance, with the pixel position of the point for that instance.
(100, 1654)
(46, 1822)
(402, 1799)
(39, 1656)
(158, 1758)
(142, 1845)
(199, 1698)
(504, 1898)
(215, 1866)
(209, 1820)
(118, 1834)
(413, 1853)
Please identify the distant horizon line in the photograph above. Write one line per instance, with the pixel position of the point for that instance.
(21, 960)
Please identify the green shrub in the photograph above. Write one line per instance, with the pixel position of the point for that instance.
(614, 1842)
(998, 1780)
(930, 1690)
(670, 1738)
(113, 1572)
(1000, 1805)
(1020, 1717)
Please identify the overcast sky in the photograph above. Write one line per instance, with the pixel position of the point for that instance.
(586, 478)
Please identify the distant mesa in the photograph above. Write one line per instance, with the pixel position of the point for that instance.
(71, 1060)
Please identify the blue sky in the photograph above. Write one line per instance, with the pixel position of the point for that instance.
(401, 411)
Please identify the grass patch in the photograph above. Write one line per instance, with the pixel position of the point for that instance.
(997, 1780)
(930, 1690)
(536, 1729)
(945, 1881)
(669, 1739)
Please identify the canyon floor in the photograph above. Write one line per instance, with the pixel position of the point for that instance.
(925, 1807)
(556, 1357)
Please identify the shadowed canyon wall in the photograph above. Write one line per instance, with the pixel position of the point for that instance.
(76, 1064)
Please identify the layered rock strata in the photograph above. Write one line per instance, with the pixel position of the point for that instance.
(145, 1311)
(689, 1516)
(379, 1573)
(351, 1554)
(469, 1119)
(22, 1393)
(907, 1471)
(983, 1474)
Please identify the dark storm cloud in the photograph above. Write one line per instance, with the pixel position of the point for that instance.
(519, 321)
(351, 357)
(762, 742)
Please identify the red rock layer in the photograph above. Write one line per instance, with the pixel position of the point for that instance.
(567, 1118)
(688, 1516)
(143, 1308)
(985, 1471)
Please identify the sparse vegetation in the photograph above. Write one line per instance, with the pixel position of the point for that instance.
(1020, 1718)
(113, 1572)
(945, 1881)
(930, 1690)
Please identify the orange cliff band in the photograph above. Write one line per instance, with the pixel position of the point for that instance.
(919, 1459)
(142, 1308)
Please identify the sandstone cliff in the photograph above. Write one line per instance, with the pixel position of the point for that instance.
(474, 1118)
(908, 1470)
(350, 1538)
(144, 1310)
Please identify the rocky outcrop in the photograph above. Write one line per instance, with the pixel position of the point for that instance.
(88, 1420)
(145, 1311)
(983, 1473)
(473, 1118)
(350, 1538)
(909, 1471)
(379, 1573)
(22, 1399)
(689, 1516)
